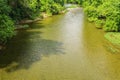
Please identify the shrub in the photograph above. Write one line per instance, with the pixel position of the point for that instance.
(104, 13)
(56, 8)
(6, 28)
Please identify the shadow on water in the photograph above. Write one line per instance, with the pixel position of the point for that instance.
(26, 48)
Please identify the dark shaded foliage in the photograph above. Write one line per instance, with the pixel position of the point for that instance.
(12, 11)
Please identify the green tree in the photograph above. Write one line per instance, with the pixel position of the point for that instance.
(6, 24)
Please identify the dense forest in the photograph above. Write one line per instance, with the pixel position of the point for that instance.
(105, 13)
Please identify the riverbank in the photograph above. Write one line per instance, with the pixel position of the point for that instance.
(23, 23)
(113, 37)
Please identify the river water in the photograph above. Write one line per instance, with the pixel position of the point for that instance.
(62, 47)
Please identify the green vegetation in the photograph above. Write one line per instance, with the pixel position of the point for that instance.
(13, 11)
(6, 23)
(113, 37)
(75, 1)
(6, 28)
(105, 14)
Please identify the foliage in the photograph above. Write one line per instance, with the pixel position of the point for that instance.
(22, 9)
(6, 28)
(80, 2)
(104, 13)
(4, 8)
(50, 6)
(13, 11)
(56, 8)
(6, 24)
(113, 37)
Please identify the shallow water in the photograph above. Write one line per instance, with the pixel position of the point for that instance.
(62, 47)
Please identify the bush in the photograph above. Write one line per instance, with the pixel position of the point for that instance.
(6, 28)
(104, 13)
(91, 13)
(56, 8)
(110, 25)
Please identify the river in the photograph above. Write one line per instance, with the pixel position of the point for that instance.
(61, 47)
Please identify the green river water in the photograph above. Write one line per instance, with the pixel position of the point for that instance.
(62, 47)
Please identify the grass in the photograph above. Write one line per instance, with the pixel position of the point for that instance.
(113, 37)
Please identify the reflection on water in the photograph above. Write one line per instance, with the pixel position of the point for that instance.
(28, 47)
(62, 47)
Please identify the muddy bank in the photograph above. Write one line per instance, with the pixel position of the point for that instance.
(29, 21)
(41, 17)
(23, 23)
(20, 25)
